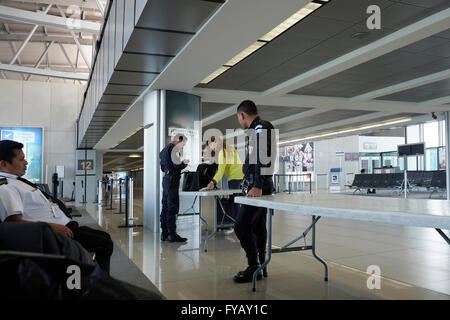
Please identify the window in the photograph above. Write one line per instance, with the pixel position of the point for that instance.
(413, 134)
(431, 134)
(431, 159)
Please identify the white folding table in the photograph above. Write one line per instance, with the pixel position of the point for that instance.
(407, 212)
(208, 205)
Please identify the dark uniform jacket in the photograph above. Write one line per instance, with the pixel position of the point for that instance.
(260, 158)
(167, 164)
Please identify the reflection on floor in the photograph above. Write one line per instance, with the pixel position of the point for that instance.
(414, 262)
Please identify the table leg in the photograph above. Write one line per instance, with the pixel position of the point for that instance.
(314, 247)
(269, 250)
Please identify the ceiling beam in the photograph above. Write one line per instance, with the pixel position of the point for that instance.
(74, 37)
(318, 102)
(441, 100)
(301, 115)
(424, 28)
(41, 58)
(24, 16)
(44, 72)
(414, 83)
(334, 124)
(89, 4)
(21, 36)
(100, 7)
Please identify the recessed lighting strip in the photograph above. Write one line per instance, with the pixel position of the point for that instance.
(272, 34)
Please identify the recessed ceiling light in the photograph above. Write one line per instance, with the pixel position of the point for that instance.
(134, 156)
(376, 125)
(215, 74)
(286, 24)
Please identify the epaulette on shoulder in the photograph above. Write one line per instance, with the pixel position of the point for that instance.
(3, 181)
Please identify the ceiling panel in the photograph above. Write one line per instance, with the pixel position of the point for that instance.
(175, 15)
(133, 77)
(124, 89)
(329, 33)
(141, 62)
(108, 98)
(422, 93)
(164, 43)
(209, 108)
(136, 141)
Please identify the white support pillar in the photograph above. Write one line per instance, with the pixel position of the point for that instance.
(447, 152)
(154, 127)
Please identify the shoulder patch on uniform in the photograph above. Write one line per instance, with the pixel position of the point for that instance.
(3, 181)
(259, 128)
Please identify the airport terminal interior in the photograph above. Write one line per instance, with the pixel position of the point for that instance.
(357, 90)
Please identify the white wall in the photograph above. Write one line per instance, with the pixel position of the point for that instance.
(53, 106)
(325, 157)
(379, 144)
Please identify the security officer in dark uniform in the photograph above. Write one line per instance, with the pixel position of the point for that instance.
(171, 165)
(250, 225)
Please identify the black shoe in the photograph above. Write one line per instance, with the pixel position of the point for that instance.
(164, 237)
(176, 238)
(247, 275)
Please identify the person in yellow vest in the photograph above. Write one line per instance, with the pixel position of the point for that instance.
(229, 164)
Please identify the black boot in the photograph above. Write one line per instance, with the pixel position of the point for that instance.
(164, 236)
(247, 275)
(176, 238)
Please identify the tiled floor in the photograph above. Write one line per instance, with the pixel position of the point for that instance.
(414, 262)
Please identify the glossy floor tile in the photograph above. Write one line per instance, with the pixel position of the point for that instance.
(414, 262)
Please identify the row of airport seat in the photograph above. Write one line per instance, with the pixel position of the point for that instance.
(434, 180)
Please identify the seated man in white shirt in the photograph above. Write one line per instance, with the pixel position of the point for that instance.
(20, 200)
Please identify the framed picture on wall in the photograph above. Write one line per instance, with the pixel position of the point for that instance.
(32, 140)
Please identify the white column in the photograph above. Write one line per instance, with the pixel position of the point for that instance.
(153, 127)
(447, 151)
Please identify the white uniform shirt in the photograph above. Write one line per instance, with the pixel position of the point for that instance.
(17, 197)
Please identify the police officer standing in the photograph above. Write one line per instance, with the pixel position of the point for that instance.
(250, 225)
(171, 165)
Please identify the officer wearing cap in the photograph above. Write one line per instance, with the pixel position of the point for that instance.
(171, 165)
(250, 225)
(21, 200)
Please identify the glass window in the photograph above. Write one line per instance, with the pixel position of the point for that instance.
(431, 159)
(442, 162)
(443, 132)
(431, 134)
(413, 134)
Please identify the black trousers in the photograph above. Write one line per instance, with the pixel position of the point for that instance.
(94, 241)
(250, 228)
(170, 204)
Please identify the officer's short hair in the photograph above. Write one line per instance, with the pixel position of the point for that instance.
(180, 137)
(7, 148)
(248, 107)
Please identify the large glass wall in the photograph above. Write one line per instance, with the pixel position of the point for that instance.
(431, 133)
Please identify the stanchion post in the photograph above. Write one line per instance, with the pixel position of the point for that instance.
(120, 197)
(129, 182)
(111, 195)
(100, 193)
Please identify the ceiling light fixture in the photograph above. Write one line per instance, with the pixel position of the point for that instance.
(272, 34)
(397, 121)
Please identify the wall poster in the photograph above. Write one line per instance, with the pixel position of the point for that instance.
(299, 158)
(31, 138)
